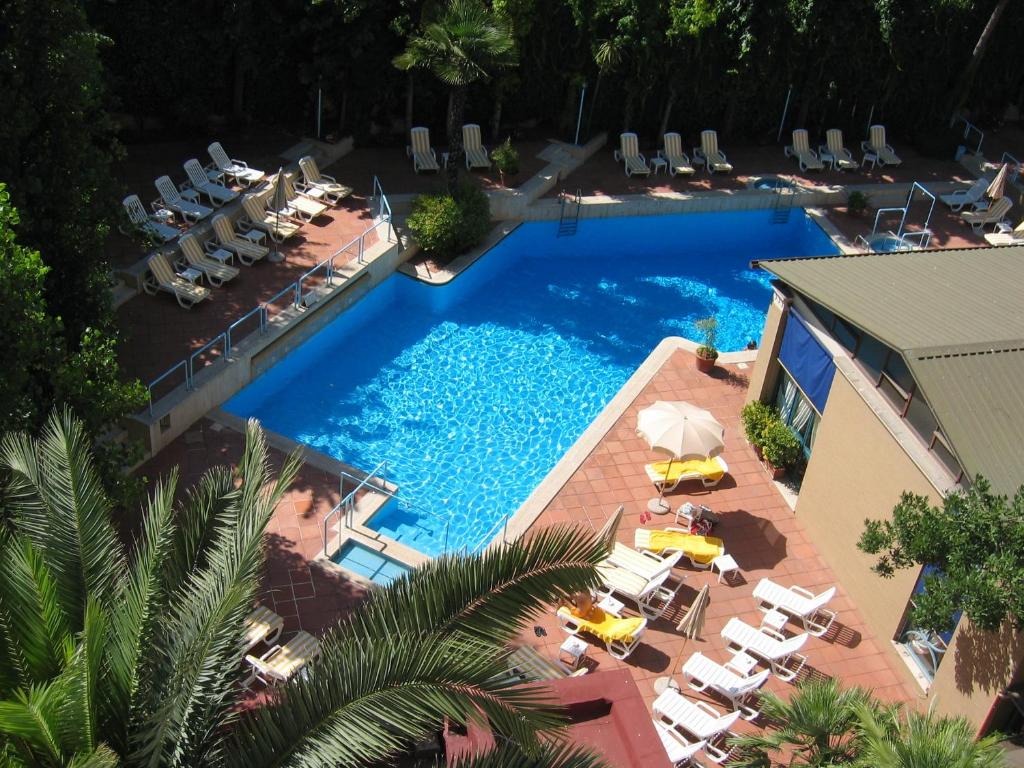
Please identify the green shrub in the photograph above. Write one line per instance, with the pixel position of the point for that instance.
(857, 201)
(780, 447)
(506, 158)
(446, 225)
(757, 416)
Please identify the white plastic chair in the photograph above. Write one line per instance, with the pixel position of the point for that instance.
(702, 673)
(698, 719)
(171, 199)
(634, 162)
(233, 169)
(764, 643)
(217, 194)
(147, 222)
(423, 156)
(797, 602)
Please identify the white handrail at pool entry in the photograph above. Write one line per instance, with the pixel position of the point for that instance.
(969, 128)
(262, 311)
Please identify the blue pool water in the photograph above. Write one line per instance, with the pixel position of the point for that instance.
(369, 564)
(472, 391)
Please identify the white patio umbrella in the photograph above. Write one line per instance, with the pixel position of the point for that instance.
(692, 623)
(681, 430)
(998, 186)
(279, 202)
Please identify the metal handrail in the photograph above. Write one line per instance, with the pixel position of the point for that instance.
(1013, 161)
(347, 503)
(261, 310)
(378, 194)
(220, 337)
(488, 537)
(880, 211)
(163, 376)
(968, 128)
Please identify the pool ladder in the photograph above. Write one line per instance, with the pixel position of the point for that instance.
(568, 222)
(781, 211)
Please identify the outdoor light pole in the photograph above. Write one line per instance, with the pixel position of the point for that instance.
(579, 116)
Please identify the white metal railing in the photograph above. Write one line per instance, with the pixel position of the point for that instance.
(489, 536)
(295, 290)
(878, 215)
(347, 505)
(970, 128)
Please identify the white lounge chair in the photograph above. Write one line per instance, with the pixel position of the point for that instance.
(671, 473)
(877, 146)
(526, 664)
(698, 719)
(261, 626)
(702, 673)
(150, 224)
(714, 158)
(216, 193)
(834, 151)
(472, 145)
(672, 153)
(651, 595)
(642, 564)
(300, 205)
(223, 165)
(282, 662)
(1014, 237)
(629, 150)
(320, 186)
(699, 550)
(620, 635)
(423, 156)
(161, 277)
(801, 149)
(171, 199)
(799, 603)
(963, 197)
(680, 751)
(764, 643)
(215, 272)
(278, 225)
(992, 215)
(224, 236)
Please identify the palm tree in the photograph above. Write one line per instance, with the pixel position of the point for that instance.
(816, 726)
(921, 740)
(116, 655)
(464, 44)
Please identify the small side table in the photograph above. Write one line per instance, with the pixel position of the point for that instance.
(192, 275)
(609, 604)
(776, 620)
(742, 663)
(870, 157)
(574, 648)
(658, 165)
(444, 159)
(725, 565)
(257, 236)
(222, 255)
(827, 157)
(191, 195)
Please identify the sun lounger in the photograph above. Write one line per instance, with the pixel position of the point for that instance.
(764, 643)
(261, 626)
(237, 170)
(645, 565)
(1014, 237)
(680, 752)
(964, 197)
(634, 162)
(151, 225)
(282, 662)
(672, 153)
(708, 471)
(217, 194)
(714, 158)
(698, 719)
(319, 186)
(526, 664)
(876, 145)
(699, 550)
(162, 278)
(300, 205)
(992, 215)
(476, 152)
(279, 226)
(423, 156)
(620, 635)
(225, 236)
(652, 595)
(836, 153)
(799, 603)
(702, 673)
(171, 199)
(801, 150)
(215, 272)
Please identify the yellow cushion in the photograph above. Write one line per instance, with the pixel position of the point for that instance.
(709, 468)
(606, 627)
(702, 549)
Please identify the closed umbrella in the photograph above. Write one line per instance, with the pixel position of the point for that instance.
(998, 186)
(681, 430)
(279, 202)
(692, 624)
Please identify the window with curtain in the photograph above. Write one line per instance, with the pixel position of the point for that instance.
(796, 411)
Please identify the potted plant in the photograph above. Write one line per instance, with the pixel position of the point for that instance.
(857, 202)
(780, 448)
(506, 159)
(757, 416)
(707, 353)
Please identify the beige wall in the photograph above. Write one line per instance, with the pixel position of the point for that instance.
(766, 368)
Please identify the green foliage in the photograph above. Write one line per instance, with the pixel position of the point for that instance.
(708, 329)
(779, 446)
(757, 417)
(857, 201)
(506, 158)
(446, 225)
(975, 543)
(117, 655)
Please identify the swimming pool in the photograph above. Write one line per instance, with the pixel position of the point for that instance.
(472, 391)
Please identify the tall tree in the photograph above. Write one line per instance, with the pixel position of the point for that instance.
(464, 43)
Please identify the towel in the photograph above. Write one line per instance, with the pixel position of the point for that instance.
(606, 627)
(709, 468)
(702, 549)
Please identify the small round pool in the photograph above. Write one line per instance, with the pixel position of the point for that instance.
(888, 244)
(772, 183)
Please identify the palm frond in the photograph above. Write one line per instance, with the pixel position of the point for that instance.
(102, 757)
(58, 501)
(79, 723)
(367, 696)
(32, 719)
(550, 755)
(197, 520)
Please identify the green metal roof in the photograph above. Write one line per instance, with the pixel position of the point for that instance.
(957, 317)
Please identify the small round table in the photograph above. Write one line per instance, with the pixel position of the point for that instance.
(575, 649)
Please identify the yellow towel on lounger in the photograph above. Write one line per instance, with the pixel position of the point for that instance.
(708, 468)
(702, 549)
(606, 627)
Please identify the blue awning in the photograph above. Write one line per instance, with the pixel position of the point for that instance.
(809, 363)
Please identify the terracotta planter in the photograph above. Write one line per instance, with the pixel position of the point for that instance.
(705, 364)
(777, 473)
